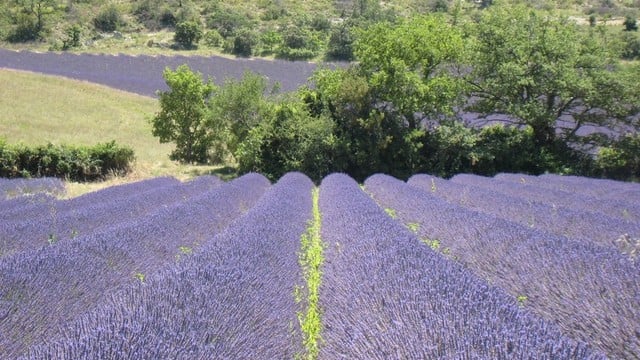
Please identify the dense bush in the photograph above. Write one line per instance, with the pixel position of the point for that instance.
(78, 163)
(289, 139)
(299, 43)
(26, 29)
(244, 42)
(620, 160)
(108, 19)
(228, 22)
(188, 33)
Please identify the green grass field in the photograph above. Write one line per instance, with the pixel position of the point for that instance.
(37, 109)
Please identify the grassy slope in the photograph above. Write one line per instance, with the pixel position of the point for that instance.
(37, 109)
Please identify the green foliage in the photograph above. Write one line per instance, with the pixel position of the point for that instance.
(502, 148)
(299, 43)
(237, 107)
(340, 46)
(109, 19)
(244, 42)
(156, 14)
(269, 39)
(70, 162)
(407, 66)
(289, 139)
(72, 39)
(188, 33)
(451, 149)
(31, 19)
(212, 38)
(630, 43)
(621, 160)
(630, 23)
(182, 118)
(537, 68)
(228, 22)
(26, 29)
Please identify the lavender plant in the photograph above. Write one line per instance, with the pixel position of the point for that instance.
(612, 208)
(385, 295)
(579, 225)
(231, 300)
(11, 188)
(599, 188)
(590, 291)
(143, 74)
(66, 219)
(54, 285)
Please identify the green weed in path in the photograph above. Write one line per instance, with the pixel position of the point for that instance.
(311, 260)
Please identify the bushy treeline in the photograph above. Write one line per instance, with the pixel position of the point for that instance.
(561, 92)
(77, 163)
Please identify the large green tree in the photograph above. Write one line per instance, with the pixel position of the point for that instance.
(183, 115)
(545, 72)
(407, 66)
(237, 106)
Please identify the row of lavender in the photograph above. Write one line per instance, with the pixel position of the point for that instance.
(192, 277)
(13, 188)
(571, 197)
(502, 201)
(153, 224)
(143, 74)
(232, 300)
(585, 286)
(387, 296)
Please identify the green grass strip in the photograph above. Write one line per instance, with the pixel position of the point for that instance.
(311, 259)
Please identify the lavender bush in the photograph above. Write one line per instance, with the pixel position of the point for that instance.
(580, 225)
(65, 219)
(143, 74)
(45, 288)
(11, 188)
(387, 296)
(232, 300)
(591, 292)
(600, 188)
(612, 208)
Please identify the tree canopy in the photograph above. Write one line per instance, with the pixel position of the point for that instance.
(543, 71)
(183, 114)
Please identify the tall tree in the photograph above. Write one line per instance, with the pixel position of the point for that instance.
(236, 108)
(542, 70)
(407, 66)
(183, 114)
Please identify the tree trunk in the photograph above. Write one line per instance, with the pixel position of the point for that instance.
(543, 134)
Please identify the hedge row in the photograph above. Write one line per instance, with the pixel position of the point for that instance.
(77, 163)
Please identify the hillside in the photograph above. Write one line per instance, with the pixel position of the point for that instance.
(37, 109)
(288, 29)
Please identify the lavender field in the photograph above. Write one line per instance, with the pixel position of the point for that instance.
(510, 267)
(143, 74)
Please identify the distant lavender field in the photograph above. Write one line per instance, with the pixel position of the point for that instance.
(423, 269)
(143, 74)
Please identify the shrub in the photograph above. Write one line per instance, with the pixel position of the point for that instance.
(212, 38)
(289, 139)
(187, 33)
(26, 29)
(227, 22)
(244, 42)
(630, 23)
(108, 19)
(72, 38)
(79, 163)
(621, 160)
